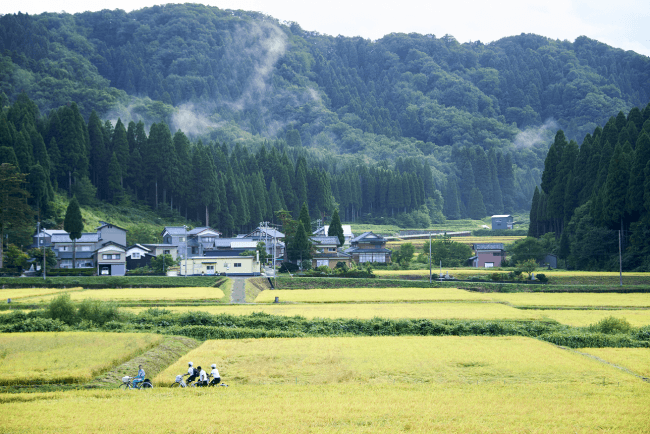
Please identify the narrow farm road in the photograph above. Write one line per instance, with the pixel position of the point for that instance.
(238, 293)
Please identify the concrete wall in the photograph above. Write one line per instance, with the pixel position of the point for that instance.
(221, 265)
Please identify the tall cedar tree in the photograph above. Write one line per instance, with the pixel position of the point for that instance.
(476, 206)
(14, 210)
(336, 229)
(301, 246)
(73, 225)
(304, 218)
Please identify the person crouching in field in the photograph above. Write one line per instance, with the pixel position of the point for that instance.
(216, 378)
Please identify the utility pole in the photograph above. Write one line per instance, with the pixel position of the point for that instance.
(430, 273)
(620, 260)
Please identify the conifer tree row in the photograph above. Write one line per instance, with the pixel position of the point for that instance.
(590, 193)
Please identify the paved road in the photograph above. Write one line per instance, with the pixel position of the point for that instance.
(238, 293)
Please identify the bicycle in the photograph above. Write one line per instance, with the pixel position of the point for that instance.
(180, 382)
(127, 383)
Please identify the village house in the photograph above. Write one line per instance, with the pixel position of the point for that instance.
(347, 233)
(327, 252)
(369, 247)
(487, 255)
(502, 222)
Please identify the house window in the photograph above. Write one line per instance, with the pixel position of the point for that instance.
(166, 252)
(496, 253)
(331, 249)
(85, 248)
(111, 256)
(135, 255)
(237, 264)
(195, 250)
(181, 239)
(64, 248)
(489, 265)
(41, 241)
(66, 263)
(210, 268)
(208, 240)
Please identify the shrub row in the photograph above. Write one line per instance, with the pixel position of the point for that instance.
(101, 282)
(202, 325)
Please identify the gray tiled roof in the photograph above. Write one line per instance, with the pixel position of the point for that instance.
(489, 246)
(85, 238)
(270, 232)
(364, 235)
(327, 240)
(159, 245)
(201, 229)
(225, 242)
(175, 230)
(331, 255)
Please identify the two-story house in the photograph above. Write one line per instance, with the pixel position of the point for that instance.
(369, 247)
(327, 252)
(488, 255)
(347, 232)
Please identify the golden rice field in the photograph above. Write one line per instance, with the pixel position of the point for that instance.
(66, 357)
(15, 294)
(607, 299)
(583, 318)
(342, 295)
(419, 242)
(141, 294)
(338, 408)
(403, 359)
(636, 360)
(469, 311)
(489, 311)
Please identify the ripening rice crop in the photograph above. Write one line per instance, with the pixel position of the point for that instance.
(608, 299)
(15, 294)
(66, 357)
(405, 359)
(337, 295)
(636, 360)
(372, 310)
(582, 318)
(341, 408)
(144, 294)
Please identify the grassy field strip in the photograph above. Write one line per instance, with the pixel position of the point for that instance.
(16, 294)
(140, 294)
(66, 357)
(636, 360)
(371, 310)
(419, 242)
(582, 318)
(350, 408)
(607, 299)
(405, 359)
(475, 271)
(337, 295)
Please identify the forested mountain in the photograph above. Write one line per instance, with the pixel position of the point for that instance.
(480, 117)
(591, 193)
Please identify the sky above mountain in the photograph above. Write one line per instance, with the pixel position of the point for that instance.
(619, 25)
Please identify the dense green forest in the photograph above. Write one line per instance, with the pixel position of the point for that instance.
(592, 192)
(457, 129)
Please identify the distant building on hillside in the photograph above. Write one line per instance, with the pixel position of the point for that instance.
(502, 222)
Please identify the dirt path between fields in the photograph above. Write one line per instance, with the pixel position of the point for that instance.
(238, 292)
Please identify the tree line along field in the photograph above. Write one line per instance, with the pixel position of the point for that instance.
(322, 383)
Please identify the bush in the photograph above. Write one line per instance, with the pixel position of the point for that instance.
(288, 267)
(35, 325)
(611, 325)
(63, 309)
(99, 312)
(542, 278)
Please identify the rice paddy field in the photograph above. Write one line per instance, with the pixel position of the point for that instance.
(419, 242)
(16, 294)
(135, 294)
(459, 272)
(66, 357)
(636, 360)
(408, 359)
(423, 384)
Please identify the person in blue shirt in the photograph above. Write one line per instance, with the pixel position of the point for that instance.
(140, 377)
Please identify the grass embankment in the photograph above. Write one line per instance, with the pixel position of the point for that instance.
(66, 357)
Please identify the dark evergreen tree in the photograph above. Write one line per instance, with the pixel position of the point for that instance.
(533, 227)
(73, 224)
(476, 206)
(304, 217)
(336, 229)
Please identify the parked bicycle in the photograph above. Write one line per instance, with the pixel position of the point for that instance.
(180, 382)
(127, 383)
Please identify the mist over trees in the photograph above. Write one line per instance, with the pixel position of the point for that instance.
(170, 104)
